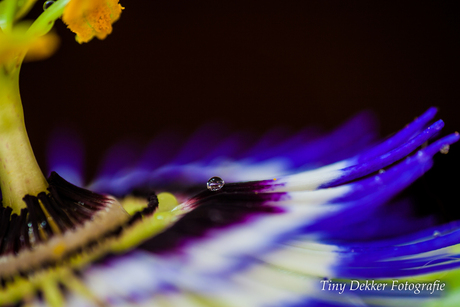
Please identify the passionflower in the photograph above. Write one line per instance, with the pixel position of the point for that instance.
(307, 237)
(90, 18)
(300, 220)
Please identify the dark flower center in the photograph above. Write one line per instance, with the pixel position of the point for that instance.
(57, 224)
(48, 214)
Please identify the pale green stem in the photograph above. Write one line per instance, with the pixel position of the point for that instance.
(45, 21)
(7, 11)
(24, 8)
(19, 171)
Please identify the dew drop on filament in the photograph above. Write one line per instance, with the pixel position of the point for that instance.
(215, 184)
(47, 4)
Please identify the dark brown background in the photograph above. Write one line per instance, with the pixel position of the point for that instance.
(254, 64)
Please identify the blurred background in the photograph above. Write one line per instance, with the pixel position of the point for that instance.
(254, 65)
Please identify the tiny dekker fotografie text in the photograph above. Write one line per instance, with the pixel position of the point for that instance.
(372, 285)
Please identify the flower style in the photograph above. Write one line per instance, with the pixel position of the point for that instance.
(301, 221)
(12, 45)
(89, 18)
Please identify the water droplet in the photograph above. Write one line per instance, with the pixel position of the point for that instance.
(436, 234)
(381, 171)
(215, 184)
(445, 149)
(29, 224)
(43, 224)
(47, 4)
